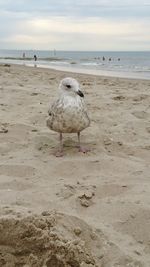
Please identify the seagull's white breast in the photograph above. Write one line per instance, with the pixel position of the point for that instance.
(68, 115)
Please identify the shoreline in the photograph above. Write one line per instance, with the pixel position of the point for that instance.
(101, 73)
(73, 69)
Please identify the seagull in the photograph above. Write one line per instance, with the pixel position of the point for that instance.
(68, 114)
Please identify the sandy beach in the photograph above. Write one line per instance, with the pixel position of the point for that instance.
(81, 210)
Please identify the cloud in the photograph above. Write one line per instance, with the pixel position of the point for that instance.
(78, 8)
(86, 34)
(71, 25)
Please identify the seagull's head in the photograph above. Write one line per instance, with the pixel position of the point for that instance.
(70, 86)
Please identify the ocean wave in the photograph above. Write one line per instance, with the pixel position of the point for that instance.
(32, 58)
(90, 64)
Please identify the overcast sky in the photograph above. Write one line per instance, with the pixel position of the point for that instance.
(75, 24)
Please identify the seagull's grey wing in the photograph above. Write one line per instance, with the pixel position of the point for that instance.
(53, 109)
(54, 122)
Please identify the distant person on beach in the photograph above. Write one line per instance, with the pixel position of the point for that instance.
(103, 58)
(24, 55)
(35, 57)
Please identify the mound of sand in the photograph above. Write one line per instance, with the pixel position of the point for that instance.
(48, 240)
(56, 240)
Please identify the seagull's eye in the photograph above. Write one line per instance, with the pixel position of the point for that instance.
(68, 86)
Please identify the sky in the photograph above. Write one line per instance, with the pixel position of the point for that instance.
(99, 25)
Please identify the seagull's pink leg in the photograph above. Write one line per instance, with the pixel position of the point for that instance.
(81, 148)
(60, 152)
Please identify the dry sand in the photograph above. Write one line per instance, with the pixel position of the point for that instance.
(82, 210)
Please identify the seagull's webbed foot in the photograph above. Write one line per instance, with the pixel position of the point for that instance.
(83, 149)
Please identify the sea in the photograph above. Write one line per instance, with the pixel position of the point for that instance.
(105, 63)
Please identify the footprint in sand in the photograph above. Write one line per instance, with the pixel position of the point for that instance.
(14, 137)
(10, 146)
(44, 142)
(141, 114)
(148, 129)
(119, 97)
(9, 183)
(67, 191)
(137, 226)
(3, 129)
(16, 132)
(110, 190)
(139, 98)
(16, 170)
